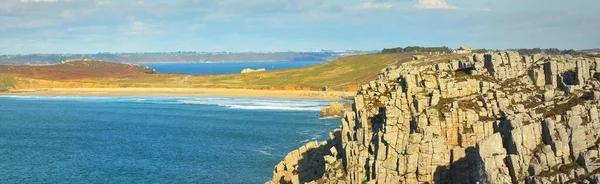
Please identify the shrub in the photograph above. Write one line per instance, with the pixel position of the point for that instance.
(7, 82)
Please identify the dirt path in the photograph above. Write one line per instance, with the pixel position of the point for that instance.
(184, 79)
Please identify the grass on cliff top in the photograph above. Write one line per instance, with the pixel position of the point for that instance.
(344, 74)
(146, 81)
(6, 82)
(340, 74)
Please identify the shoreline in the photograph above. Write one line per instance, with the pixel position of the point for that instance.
(179, 92)
(217, 62)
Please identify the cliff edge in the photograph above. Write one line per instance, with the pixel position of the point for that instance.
(489, 118)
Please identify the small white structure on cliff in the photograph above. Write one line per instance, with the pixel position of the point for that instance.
(463, 49)
(250, 70)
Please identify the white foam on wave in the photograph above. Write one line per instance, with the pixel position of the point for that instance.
(282, 108)
(265, 151)
(330, 117)
(37, 97)
(229, 102)
(311, 134)
(259, 104)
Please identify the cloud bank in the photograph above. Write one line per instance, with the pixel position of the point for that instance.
(434, 4)
(90, 26)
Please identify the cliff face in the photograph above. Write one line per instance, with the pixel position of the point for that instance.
(493, 118)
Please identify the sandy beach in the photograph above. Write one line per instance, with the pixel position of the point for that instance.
(326, 95)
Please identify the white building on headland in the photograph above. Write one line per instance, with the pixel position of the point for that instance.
(462, 50)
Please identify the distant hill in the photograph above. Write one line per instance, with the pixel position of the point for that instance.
(76, 69)
(160, 57)
(590, 50)
(553, 51)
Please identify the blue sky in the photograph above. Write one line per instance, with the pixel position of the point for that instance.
(90, 26)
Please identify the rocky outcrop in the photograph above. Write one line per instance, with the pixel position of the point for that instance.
(335, 109)
(490, 118)
(250, 70)
(311, 162)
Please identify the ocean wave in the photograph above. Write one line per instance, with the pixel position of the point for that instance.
(282, 108)
(265, 151)
(330, 117)
(259, 104)
(39, 97)
(229, 102)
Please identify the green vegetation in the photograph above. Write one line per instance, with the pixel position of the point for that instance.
(593, 55)
(480, 51)
(6, 82)
(468, 130)
(462, 75)
(345, 74)
(569, 51)
(566, 168)
(416, 49)
(558, 109)
(546, 51)
(147, 81)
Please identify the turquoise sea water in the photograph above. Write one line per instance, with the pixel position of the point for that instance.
(226, 67)
(152, 139)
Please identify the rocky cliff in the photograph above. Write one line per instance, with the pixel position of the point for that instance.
(488, 118)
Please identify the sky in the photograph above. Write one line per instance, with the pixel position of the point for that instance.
(91, 26)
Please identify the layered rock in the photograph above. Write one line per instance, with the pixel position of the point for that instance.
(311, 161)
(335, 109)
(490, 118)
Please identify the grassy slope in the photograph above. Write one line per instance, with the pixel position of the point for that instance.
(6, 82)
(344, 74)
(341, 74)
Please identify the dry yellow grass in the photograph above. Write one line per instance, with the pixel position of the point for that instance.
(26, 83)
(342, 74)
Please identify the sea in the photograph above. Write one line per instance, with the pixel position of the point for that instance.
(73, 139)
(212, 68)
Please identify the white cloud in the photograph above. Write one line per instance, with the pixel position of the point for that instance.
(38, 1)
(102, 3)
(369, 5)
(434, 4)
(66, 13)
(137, 27)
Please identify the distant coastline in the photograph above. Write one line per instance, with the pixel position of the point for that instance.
(296, 94)
(195, 62)
(159, 57)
